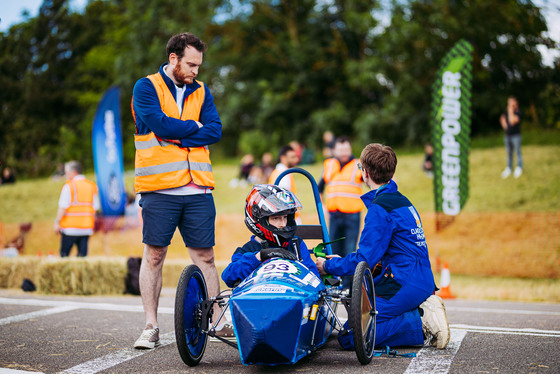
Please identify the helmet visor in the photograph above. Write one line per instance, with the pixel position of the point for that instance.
(274, 201)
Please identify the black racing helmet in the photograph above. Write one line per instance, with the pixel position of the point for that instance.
(266, 200)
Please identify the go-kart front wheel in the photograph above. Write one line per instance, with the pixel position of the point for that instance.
(191, 292)
(362, 314)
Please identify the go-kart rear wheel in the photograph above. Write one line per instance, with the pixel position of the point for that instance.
(362, 314)
(191, 292)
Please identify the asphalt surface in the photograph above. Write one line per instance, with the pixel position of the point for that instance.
(54, 334)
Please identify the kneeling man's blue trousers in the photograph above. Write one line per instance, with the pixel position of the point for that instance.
(398, 320)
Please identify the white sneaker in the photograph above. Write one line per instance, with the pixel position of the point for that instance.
(506, 173)
(434, 322)
(517, 173)
(149, 338)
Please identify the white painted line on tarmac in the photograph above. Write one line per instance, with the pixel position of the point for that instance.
(38, 313)
(12, 371)
(433, 360)
(506, 330)
(81, 305)
(501, 311)
(438, 361)
(134, 308)
(116, 358)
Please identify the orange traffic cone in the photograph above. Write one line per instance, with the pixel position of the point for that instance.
(445, 282)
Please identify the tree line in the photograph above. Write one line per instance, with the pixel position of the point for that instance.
(279, 70)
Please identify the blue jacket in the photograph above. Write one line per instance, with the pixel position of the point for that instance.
(392, 234)
(243, 261)
(150, 117)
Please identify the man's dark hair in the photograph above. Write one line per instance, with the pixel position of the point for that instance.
(342, 139)
(179, 42)
(379, 161)
(284, 150)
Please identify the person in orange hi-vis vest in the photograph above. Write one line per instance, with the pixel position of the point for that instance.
(341, 188)
(77, 205)
(176, 120)
(287, 158)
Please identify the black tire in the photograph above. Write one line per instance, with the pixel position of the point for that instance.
(362, 316)
(191, 292)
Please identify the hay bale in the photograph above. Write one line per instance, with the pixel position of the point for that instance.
(15, 269)
(82, 276)
(172, 270)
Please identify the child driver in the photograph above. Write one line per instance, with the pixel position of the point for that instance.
(270, 216)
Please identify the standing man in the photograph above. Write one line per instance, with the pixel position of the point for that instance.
(408, 311)
(77, 205)
(342, 187)
(511, 123)
(176, 120)
(287, 158)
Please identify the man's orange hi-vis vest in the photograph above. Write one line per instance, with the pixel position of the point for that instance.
(162, 164)
(272, 178)
(80, 214)
(275, 173)
(343, 187)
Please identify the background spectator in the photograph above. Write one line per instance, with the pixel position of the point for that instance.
(511, 123)
(59, 172)
(287, 159)
(296, 146)
(342, 186)
(77, 205)
(267, 166)
(8, 176)
(307, 155)
(428, 164)
(245, 169)
(328, 141)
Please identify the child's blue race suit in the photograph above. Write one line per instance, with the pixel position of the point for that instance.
(392, 234)
(244, 261)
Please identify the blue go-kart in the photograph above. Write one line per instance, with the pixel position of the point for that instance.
(282, 311)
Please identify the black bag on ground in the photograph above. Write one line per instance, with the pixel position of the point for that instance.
(132, 282)
(28, 286)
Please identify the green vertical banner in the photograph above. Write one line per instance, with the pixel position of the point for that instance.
(451, 127)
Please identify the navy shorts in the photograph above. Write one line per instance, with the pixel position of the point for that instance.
(194, 215)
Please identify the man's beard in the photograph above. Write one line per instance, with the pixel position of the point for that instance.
(180, 77)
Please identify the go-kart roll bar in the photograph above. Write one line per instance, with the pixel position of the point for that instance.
(318, 202)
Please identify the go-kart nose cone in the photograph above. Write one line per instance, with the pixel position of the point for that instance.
(267, 334)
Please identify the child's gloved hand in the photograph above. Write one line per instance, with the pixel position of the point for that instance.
(267, 253)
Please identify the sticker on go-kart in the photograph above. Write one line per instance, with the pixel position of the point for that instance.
(305, 316)
(311, 279)
(270, 289)
(277, 267)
